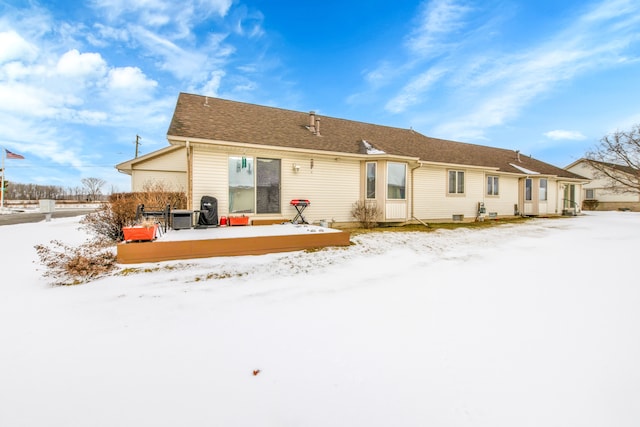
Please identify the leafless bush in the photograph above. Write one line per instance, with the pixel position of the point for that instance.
(107, 222)
(157, 194)
(366, 213)
(120, 212)
(590, 204)
(73, 265)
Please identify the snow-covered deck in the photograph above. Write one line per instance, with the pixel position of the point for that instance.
(230, 241)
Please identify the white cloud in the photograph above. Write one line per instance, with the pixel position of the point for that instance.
(184, 63)
(382, 75)
(438, 19)
(610, 9)
(29, 101)
(212, 86)
(487, 88)
(248, 24)
(565, 134)
(102, 35)
(14, 47)
(501, 91)
(179, 16)
(76, 64)
(129, 79)
(17, 71)
(413, 93)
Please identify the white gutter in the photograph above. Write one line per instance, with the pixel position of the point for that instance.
(324, 153)
(420, 164)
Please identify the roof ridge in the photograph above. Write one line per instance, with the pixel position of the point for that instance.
(305, 112)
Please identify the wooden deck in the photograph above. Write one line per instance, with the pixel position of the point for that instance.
(229, 241)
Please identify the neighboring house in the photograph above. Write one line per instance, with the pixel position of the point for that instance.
(256, 159)
(598, 194)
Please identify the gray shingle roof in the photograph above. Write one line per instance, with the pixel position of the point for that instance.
(203, 117)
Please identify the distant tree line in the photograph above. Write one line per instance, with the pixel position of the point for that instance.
(89, 191)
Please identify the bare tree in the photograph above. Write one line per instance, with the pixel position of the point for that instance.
(93, 186)
(618, 159)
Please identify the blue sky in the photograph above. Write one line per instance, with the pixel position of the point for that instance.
(79, 80)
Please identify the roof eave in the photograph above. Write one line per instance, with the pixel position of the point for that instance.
(127, 166)
(181, 140)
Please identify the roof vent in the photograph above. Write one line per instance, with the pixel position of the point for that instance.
(314, 123)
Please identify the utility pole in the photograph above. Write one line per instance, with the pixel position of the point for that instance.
(137, 144)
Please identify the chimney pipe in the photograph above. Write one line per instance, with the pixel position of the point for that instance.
(318, 127)
(312, 118)
(518, 156)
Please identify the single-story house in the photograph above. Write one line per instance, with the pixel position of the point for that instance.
(255, 160)
(599, 194)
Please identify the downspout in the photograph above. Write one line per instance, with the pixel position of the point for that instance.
(560, 195)
(484, 199)
(522, 199)
(413, 195)
(189, 176)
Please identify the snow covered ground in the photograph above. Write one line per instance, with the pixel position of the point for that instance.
(536, 324)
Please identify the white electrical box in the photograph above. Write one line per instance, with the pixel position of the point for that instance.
(47, 205)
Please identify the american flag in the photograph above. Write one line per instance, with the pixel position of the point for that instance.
(11, 155)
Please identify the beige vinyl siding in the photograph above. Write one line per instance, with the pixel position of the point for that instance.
(173, 181)
(432, 200)
(599, 185)
(396, 210)
(543, 208)
(549, 206)
(210, 178)
(429, 188)
(332, 186)
(170, 169)
(503, 203)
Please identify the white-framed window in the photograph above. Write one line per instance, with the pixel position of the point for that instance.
(528, 189)
(396, 181)
(543, 189)
(254, 189)
(590, 193)
(370, 191)
(456, 182)
(493, 187)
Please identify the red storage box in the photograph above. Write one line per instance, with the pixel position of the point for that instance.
(140, 233)
(238, 220)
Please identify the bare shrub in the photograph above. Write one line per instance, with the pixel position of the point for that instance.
(73, 265)
(366, 213)
(107, 222)
(590, 204)
(157, 194)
